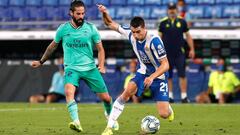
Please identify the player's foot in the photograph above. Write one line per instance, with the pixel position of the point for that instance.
(75, 127)
(171, 117)
(185, 100)
(116, 126)
(107, 131)
(171, 100)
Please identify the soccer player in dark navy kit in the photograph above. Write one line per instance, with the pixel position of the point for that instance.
(172, 29)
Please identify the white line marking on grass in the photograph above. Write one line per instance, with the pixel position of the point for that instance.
(29, 109)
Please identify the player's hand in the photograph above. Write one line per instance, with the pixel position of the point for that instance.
(147, 82)
(36, 64)
(191, 54)
(102, 70)
(101, 8)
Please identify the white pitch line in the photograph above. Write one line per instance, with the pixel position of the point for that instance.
(29, 109)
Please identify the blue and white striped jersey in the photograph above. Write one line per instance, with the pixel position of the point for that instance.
(148, 52)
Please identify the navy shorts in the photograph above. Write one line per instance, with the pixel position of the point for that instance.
(179, 63)
(159, 88)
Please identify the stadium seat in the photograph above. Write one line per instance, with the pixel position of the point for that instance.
(158, 12)
(143, 12)
(19, 14)
(92, 13)
(112, 12)
(206, 1)
(236, 1)
(123, 12)
(224, 2)
(135, 2)
(5, 14)
(165, 2)
(35, 13)
(118, 2)
(88, 2)
(52, 13)
(64, 2)
(50, 2)
(192, 2)
(153, 2)
(104, 2)
(196, 11)
(17, 2)
(213, 11)
(231, 11)
(33, 2)
(65, 12)
(3, 3)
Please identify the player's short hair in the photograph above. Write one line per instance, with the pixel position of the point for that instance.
(137, 21)
(76, 3)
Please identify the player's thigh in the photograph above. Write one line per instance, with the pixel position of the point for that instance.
(180, 65)
(94, 80)
(139, 82)
(71, 77)
(159, 89)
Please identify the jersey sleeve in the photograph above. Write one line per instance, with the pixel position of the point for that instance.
(235, 79)
(158, 48)
(185, 26)
(95, 35)
(59, 33)
(124, 30)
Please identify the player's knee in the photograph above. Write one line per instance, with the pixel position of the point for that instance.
(69, 92)
(164, 114)
(106, 98)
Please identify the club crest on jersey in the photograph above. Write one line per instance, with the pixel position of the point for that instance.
(144, 57)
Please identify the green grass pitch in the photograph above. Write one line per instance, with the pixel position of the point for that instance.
(53, 119)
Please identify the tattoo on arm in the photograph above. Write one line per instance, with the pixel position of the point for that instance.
(49, 51)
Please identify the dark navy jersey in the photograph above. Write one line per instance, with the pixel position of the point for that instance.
(172, 34)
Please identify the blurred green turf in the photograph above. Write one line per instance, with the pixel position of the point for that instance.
(52, 119)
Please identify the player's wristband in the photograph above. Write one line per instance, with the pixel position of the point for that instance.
(41, 62)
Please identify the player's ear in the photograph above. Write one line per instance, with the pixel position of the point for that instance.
(71, 13)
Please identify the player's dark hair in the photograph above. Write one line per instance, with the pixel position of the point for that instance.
(76, 3)
(137, 21)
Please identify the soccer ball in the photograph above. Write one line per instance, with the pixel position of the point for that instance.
(150, 124)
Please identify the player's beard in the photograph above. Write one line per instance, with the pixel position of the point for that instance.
(78, 22)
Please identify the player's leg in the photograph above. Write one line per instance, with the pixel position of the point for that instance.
(170, 81)
(37, 98)
(165, 110)
(95, 81)
(159, 90)
(203, 98)
(180, 65)
(118, 105)
(51, 97)
(71, 82)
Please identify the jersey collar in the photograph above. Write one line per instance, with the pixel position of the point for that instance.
(75, 27)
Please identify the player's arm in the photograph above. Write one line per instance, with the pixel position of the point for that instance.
(160, 70)
(190, 44)
(101, 57)
(107, 19)
(189, 39)
(49, 51)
